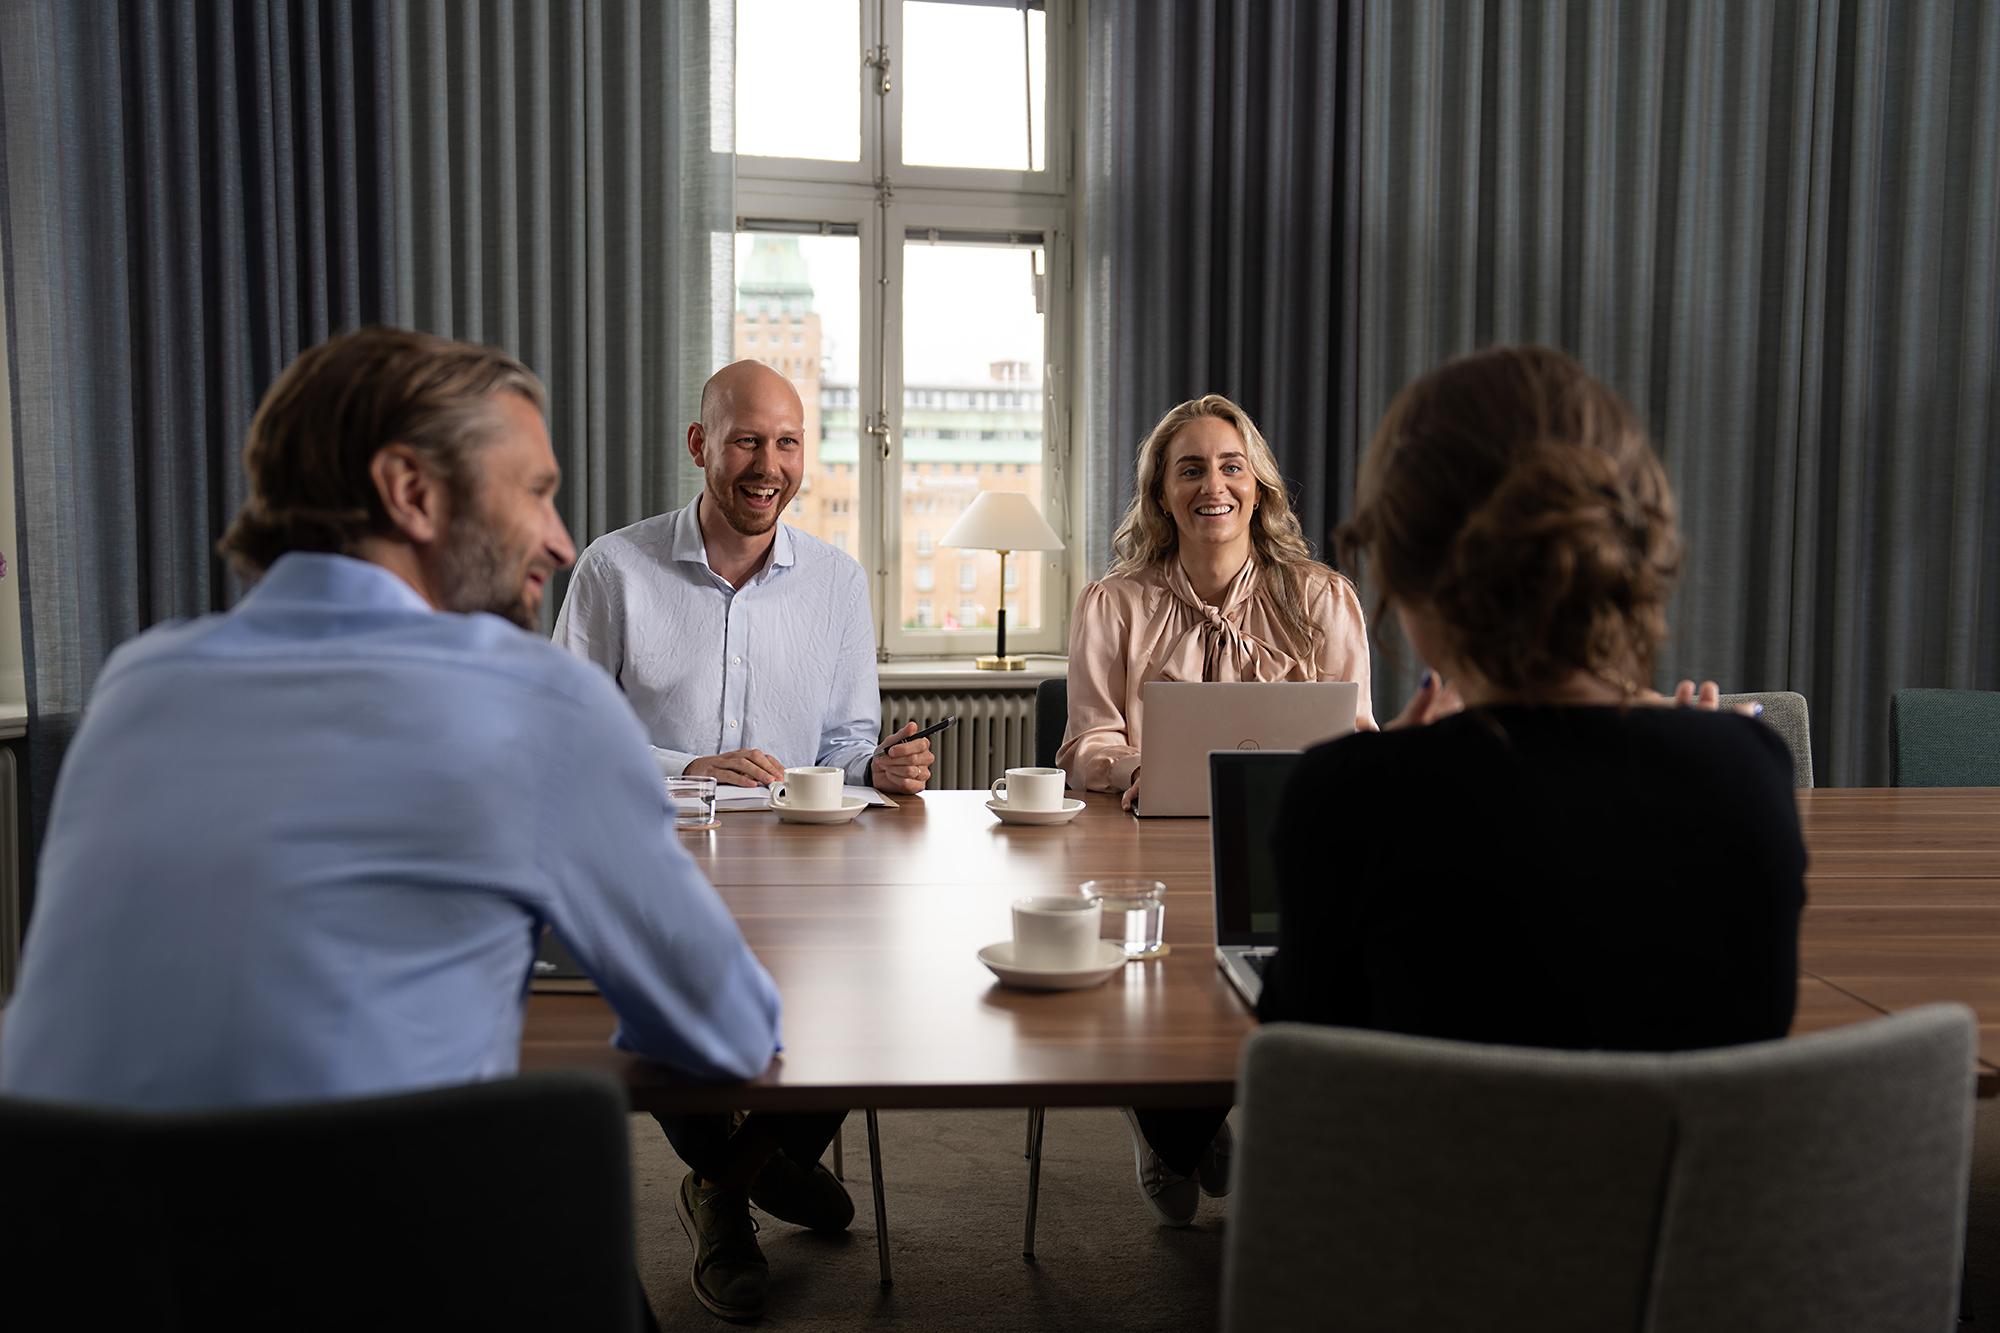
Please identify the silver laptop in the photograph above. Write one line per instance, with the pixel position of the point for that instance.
(1248, 787)
(1184, 720)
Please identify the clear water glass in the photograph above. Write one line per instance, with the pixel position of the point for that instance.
(1135, 912)
(693, 800)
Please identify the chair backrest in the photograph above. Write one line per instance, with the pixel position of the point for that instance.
(1944, 738)
(1785, 712)
(1051, 719)
(499, 1205)
(1395, 1183)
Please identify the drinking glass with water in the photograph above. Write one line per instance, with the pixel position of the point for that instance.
(1135, 912)
(693, 802)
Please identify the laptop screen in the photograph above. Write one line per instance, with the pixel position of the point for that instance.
(1246, 788)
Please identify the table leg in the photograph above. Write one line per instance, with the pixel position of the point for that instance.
(1035, 1119)
(881, 1207)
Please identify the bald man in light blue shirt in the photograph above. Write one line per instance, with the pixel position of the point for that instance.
(745, 645)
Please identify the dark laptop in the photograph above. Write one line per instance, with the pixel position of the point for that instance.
(1245, 789)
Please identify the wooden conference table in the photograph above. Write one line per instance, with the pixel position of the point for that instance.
(871, 930)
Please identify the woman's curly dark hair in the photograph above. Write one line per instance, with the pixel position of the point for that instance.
(1519, 499)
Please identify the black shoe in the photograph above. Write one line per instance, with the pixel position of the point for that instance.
(729, 1273)
(803, 1196)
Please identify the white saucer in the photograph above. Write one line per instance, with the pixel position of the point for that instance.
(1009, 815)
(999, 960)
(850, 806)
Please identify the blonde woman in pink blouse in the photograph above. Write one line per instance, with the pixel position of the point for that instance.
(1212, 581)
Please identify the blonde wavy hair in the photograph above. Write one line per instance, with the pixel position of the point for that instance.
(1147, 536)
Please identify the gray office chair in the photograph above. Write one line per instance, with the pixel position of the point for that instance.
(1944, 738)
(499, 1205)
(1388, 1182)
(1785, 711)
(1051, 719)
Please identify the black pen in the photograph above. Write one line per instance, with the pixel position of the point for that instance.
(932, 730)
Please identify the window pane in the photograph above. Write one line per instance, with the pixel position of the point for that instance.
(972, 415)
(974, 92)
(798, 310)
(796, 96)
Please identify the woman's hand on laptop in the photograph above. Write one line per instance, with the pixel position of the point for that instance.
(1130, 797)
(1434, 699)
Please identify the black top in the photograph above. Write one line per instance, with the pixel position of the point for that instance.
(1586, 878)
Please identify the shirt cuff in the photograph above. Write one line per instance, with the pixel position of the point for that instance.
(672, 762)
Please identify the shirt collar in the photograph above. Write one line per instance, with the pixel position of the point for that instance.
(315, 576)
(688, 546)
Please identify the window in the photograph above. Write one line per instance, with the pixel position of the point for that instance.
(807, 286)
(908, 246)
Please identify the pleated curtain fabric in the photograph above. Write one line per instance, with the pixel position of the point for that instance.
(192, 193)
(1773, 227)
(565, 190)
(1213, 207)
(1896, 558)
(189, 195)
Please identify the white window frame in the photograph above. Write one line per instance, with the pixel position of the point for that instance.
(884, 201)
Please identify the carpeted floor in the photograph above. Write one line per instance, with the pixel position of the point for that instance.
(957, 1196)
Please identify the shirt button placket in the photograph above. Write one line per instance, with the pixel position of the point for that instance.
(732, 676)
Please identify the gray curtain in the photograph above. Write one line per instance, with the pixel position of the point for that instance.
(1773, 227)
(565, 191)
(1763, 223)
(1896, 560)
(1633, 183)
(1213, 213)
(189, 194)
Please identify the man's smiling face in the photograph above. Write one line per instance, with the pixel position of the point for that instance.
(751, 446)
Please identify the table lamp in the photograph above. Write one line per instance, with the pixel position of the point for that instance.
(1002, 521)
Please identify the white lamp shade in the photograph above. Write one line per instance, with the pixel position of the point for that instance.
(1002, 521)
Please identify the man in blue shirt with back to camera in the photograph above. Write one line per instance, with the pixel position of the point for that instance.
(303, 849)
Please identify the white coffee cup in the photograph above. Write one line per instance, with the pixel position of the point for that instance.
(810, 788)
(1056, 933)
(1030, 788)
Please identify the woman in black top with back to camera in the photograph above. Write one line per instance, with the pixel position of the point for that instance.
(1570, 861)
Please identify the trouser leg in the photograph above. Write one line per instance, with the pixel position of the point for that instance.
(1181, 1135)
(704, 1141)
(802, 1136)
(730, 1155)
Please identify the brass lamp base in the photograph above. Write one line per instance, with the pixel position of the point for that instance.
(1001, 663)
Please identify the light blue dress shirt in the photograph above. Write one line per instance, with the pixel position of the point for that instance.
(785, 664)
(303, 849)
